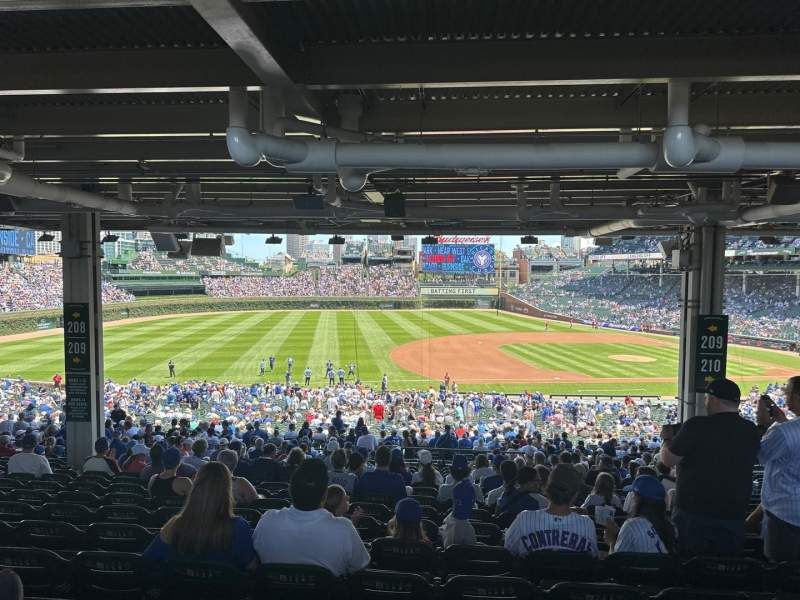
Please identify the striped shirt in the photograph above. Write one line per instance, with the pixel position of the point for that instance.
(639, 535)
(780, 455)
(535, 530)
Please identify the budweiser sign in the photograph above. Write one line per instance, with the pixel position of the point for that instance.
(464, 239)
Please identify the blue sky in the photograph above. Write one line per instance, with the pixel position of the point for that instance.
(252, 245)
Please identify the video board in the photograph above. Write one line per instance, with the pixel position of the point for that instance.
(457, 258)
(17, 241)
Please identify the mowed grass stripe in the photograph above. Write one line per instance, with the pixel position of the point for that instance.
(380, 345)
(252, 356)
(475, 324)
(324, 347)
(506, 321)
(402, 319)
(439, 321)
(194, 356)
(395, 331)
(431, 328)
(122, 353)
(356, 349)
(297, 344)
(536, 356)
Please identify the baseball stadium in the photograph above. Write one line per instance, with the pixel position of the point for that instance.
(537, 319)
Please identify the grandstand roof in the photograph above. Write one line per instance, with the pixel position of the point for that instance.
(136, 91)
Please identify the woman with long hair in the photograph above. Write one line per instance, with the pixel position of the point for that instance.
(648, 528)
(603, 493)
(406, 525)
(398, 465)
(206, 528)
(427, 475)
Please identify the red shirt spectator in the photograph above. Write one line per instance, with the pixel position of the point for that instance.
(57, 381)
(377, 411)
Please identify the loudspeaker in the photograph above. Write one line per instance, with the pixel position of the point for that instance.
(208, 246)
(394, 205)
(165, 242)
(308, 202)
(229, 240)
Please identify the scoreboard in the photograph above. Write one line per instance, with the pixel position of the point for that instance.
(457, 258)
(17, 242)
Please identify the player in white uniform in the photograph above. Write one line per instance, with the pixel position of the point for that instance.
(556, 527)
(648, 529)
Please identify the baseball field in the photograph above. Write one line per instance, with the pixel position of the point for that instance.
(479, 349)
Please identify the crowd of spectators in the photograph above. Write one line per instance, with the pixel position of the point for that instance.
(155, 262)
(769, 308)
(344, 280)
(37, 286)
(678, 490)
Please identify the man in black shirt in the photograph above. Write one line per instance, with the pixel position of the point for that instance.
(715, 455)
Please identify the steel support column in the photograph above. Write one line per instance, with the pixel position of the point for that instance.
(701, 294)
(82, 286)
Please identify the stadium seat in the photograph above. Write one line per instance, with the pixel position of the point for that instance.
(677, 593)
(127, 488)
(487, 533)
(723, 572)
(192, 579)
(21, 476)
(30, 496)
(296, 582)
(98, 476)
(641, 568)
(160, 516)
(788, 577)
(47, 486)
(84, 498)
(15, 511)
(109, 575)
(432, 531)
(11, 484)
(270, 504)
(373, 584)
(118, 537)
(71, 513)
(126, 498)
(51, 535)
(477, 560)
(380, 511)
(87, 485)
(421, 490)
(370, 528)
(558, 566)
(122, 513)
(395, 555)
(580, 590)
(273, 486)
(432, 513)
(481, 514)
(168, 501)
(494, 588)
(43, 572)
(61, 477)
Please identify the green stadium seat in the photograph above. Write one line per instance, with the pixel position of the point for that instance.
(50, 535)
(475, 587)
(192, 579)
(118, 537)
(110, 576)
(580, 590)
(43, 572)
(477, 560)
(373, 584)
(123, 513)
(296, 582)
(71, 513)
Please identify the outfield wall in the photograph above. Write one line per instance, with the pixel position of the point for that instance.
(11, 323)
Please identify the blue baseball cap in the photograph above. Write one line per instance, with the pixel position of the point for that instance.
(649, 487)
(171, 458)
(408, 511)
(459, 462)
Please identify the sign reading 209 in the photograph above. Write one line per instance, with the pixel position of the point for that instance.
(711, 349)
(76, 337)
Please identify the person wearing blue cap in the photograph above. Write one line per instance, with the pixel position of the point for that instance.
(406, 525)
(459, 471)
(456, 528)
(648, 528)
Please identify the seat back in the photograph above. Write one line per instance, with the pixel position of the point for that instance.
(193, 579)
(30, 496)
(122, 513)
(83, 498)
(396, 555)
(554, 566)
(370, 528)
(724, 572)
(71, 513)
(296, 582)
(109, 575)
(373, 584)
(487, 533)
(679, 593)
(492, 588)
(788, 579)
(170, 501)
(270, 504)
(52, 535)
(380, 511)
(477, 560)
(43, 572)
(642, 568)
(577, 590)
(15, 511)
(118, 537)
(251, 515)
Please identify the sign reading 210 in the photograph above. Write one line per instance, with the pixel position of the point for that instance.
(457, 258)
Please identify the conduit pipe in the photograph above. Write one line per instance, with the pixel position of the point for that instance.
(22, 186)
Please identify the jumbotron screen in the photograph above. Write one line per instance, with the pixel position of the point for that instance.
(457, 258)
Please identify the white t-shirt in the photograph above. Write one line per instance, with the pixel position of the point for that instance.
(368, 441)
(639, 535)
(479, 474)
(28, 462)
(314, 537)
(535, 530)
(97, 465)
(446, 492)
(598, 500)
(417, 477)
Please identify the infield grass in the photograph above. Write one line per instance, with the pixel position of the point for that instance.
(229, 346)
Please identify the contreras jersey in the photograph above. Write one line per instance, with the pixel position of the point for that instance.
(639, 535)
(535, 530)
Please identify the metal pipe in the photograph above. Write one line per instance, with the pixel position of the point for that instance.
(344, 135)
(25, 187)
(679, 143)
(10, 155)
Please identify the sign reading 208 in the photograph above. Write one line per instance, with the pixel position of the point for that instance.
(711, 349)
(76, 337)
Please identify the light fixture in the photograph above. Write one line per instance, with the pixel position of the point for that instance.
(109, 238)
(398, 238)
(336, 240)
(529, 239)
(273, 239)
(430, 240)
(46, 237)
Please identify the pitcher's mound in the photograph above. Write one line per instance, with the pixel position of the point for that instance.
(631, 358)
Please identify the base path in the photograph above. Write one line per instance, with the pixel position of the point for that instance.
(477, 358)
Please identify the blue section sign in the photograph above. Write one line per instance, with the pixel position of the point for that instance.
(17, 241)
(457, 258)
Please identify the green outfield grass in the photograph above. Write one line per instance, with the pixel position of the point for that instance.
(229, 346)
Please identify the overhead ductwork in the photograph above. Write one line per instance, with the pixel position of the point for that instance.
(22, 186)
